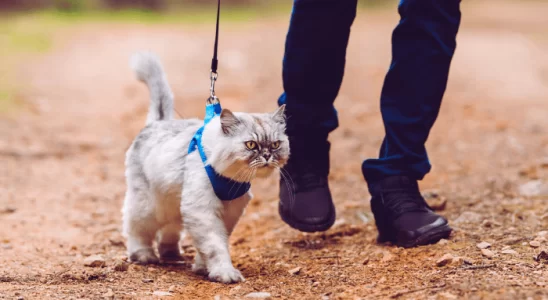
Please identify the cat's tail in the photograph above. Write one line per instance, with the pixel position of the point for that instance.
(149, 70)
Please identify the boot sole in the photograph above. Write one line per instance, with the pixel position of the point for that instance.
(308, 227)
(430, 237)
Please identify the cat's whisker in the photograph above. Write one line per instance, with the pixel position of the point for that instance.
(250, 174)
(287, 175)
(239, 172)
(239, 175)
(289, 184)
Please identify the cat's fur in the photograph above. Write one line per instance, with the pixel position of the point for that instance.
(168, 189)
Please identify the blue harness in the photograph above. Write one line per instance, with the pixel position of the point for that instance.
(225, 188)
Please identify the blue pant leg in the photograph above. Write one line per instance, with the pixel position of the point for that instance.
(423, 44)
(313, 64)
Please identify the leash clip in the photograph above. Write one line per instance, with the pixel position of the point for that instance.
(212, 98)
(213, 76)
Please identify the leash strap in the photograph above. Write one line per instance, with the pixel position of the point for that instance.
(215, 61)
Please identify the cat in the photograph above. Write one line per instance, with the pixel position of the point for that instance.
(168, 188)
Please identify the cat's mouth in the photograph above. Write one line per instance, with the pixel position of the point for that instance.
(267, 165)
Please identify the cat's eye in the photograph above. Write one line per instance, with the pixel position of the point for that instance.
(275, 145)
(251, 145)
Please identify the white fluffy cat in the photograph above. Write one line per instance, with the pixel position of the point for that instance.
(168, 189)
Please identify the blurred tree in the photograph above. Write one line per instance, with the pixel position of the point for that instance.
(23, 4)
(69, 5)
(72, 5)
(146, 4)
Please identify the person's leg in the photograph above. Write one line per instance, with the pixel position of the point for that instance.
(423, 45)
(313, 69)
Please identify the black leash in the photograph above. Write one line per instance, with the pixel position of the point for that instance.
(214, 60)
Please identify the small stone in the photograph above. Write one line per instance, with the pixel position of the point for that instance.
(317, 283)
(161, 293)
(487, 253)
(365, 261)
(534, 244)
(171, 289)
(490, 223)
(20, 298)
(483, 245)
(109, 294)
(444, 260)
(121, 266)
(116, 242)
(469, 217)
(147, 280)
(531, 188)
(448, 296)
(542, 233)
(8, 210)
(443, 242)
(542, 256)
(438, 204)
(387, 256)
(122, 257)
(94, 261)
(457, 260)
(258, 295)
(509, 251)
(295, 271)
(235, 290)
(435, 200)
(217, 297)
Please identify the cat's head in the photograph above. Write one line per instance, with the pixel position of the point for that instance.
(250, 145)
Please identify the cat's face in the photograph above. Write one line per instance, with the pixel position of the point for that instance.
(253, 144)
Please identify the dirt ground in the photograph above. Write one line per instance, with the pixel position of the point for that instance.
(62, 178)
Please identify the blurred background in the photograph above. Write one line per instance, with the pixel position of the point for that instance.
(70, 107)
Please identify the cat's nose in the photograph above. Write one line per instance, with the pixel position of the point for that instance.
(267, 156)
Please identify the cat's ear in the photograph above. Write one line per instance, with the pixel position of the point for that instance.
(229, 121)
(279, 115)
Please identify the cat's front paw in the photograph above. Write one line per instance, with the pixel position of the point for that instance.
(226, 274)
(170, 253)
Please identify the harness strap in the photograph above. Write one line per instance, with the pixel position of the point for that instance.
(225, 188)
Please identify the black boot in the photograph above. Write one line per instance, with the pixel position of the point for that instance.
(305, 198)
(402, 215)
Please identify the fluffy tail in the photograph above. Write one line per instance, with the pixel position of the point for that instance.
(149, 70)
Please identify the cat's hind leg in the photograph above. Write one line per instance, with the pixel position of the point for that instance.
(168, 242)
(140, 225)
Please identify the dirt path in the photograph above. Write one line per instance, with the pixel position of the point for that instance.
(62, 184)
